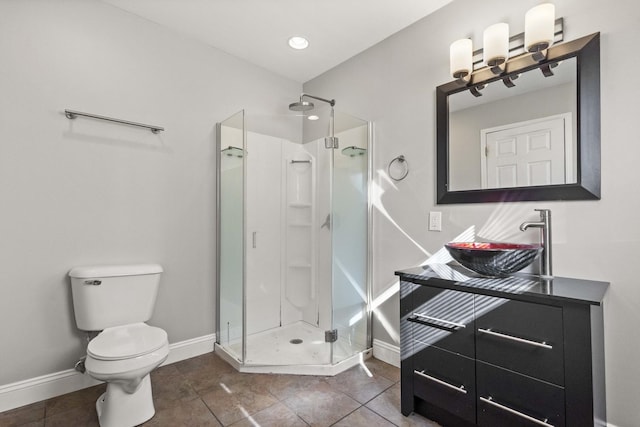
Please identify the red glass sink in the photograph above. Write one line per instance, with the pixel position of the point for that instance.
(493, 259)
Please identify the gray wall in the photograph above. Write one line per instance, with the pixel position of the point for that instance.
(87, 192)
(394, 83)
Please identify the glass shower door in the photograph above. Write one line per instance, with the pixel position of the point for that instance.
(350, 231)
(231, 280)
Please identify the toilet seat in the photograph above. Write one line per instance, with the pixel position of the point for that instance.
(126, 342)
(126, 352)
(126, 369)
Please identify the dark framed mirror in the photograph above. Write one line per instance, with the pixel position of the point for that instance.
(535, 137)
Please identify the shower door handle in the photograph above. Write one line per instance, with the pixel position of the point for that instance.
(253, 238)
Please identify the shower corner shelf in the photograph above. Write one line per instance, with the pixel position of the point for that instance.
(353, 151)
(232, 151)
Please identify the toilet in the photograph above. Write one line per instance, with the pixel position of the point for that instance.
(117, 300)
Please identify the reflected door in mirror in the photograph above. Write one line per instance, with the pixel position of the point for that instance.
(518, 112)
(537, 152)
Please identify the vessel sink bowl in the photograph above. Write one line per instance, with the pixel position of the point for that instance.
(493, 259)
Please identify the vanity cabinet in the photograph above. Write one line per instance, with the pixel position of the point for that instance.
(520, 336)
(518, 351)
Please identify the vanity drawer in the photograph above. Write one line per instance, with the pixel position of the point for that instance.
(443, 318)
(509, 399)
(521, 336)
(446, 380)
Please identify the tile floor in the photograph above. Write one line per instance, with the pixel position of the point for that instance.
(206, 391)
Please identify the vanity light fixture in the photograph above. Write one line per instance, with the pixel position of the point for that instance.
(496, 47)
(475, 90)
(472, 69)
(461, 59)
(298, 42)
(508, 80)
(539, 30)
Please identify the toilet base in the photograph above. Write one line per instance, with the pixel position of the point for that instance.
(117, 408)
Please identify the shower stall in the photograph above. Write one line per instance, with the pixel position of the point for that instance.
(293, 291)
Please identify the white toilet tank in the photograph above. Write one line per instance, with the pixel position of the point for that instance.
(114, 295)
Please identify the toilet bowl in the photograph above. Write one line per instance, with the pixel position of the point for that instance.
(118, 300)
(123, 357)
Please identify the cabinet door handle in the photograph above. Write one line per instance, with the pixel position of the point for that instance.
(542, 344)
(444, 383)
(422, 316)
(490, 401)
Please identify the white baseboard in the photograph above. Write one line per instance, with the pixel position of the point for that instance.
(301, 369)
(386, 352)
(190, 348)
(44, 387)
(47, 386)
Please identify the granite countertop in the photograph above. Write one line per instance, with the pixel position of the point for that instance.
(521, 286)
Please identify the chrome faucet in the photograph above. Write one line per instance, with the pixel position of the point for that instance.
(545, 239)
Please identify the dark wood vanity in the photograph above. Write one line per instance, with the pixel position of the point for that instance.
(516, 351)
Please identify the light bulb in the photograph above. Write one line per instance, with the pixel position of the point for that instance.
(539, 27)
(495, 44)
(461, 58)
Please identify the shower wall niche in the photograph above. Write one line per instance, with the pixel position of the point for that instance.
(299, 284)
(293, 281)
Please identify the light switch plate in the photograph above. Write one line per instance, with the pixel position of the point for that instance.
(435, 221)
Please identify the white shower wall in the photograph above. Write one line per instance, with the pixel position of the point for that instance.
(280, 286)
(299, 222)
(262, 239)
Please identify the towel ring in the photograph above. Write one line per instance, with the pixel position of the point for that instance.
(402, 164)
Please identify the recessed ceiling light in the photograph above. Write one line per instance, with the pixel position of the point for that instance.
(298, 42)
(313, 117)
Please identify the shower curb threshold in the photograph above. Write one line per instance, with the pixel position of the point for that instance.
(322, 370)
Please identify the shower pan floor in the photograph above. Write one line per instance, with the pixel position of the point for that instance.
(278, 350)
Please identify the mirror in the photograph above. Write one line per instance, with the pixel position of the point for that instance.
(537, 140)
(518, 136)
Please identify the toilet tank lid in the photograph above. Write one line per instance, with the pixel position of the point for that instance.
(114, 270)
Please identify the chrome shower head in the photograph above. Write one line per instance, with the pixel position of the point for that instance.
(301, 106)
(306, 106)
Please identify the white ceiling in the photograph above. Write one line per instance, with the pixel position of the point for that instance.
(258, 30)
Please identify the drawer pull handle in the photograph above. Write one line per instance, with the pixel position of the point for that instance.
(490, 401)
(512, 338)
(422, 316)
(444, 383)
